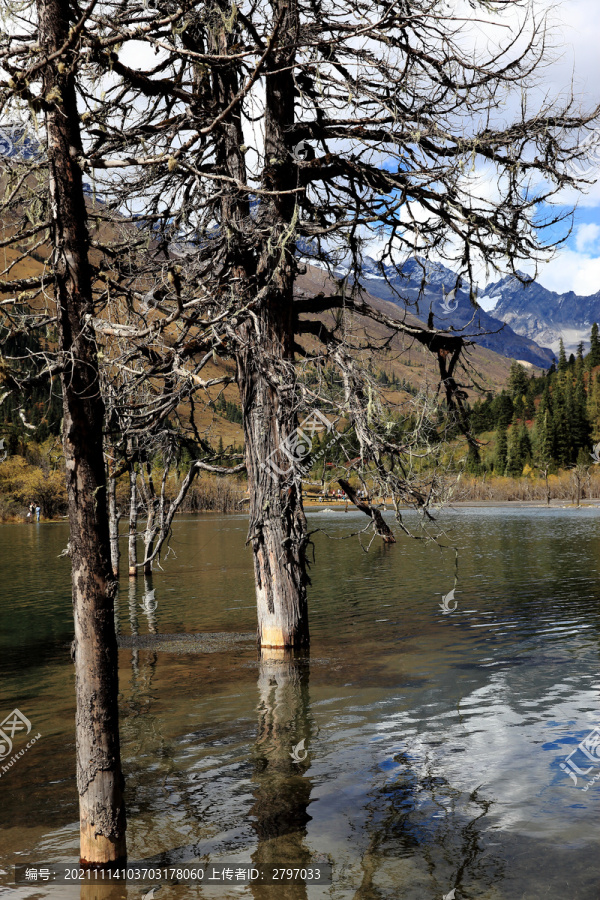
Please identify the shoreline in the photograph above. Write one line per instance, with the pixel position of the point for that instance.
(340, 505)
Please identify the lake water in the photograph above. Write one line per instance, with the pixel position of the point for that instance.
(434, 741)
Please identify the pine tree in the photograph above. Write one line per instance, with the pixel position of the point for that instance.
(545, 438)
(580, 427)
(514, 461)
(593, 406)
(503, 409)
(562, 430)
(501, 450)
(562, 357)
(473, 465)
(544, 428)
(533, 389)
(525, 450)
(594, 354)
(519, 407)
(517, 381)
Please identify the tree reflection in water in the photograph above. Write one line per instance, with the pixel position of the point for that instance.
(281, 787)
(426, 836)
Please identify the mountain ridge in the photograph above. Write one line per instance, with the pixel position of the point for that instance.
(429, 290)
(543, 315)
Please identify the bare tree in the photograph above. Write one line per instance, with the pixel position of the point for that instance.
(46, 78)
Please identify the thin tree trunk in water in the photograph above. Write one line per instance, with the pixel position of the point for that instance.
(99, 776)
(133, 624)
(151, 511)
(277, 531)
(133, 505)
(113, 524)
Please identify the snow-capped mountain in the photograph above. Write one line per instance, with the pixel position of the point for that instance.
(17, 143)
(450, 308)
(543, 315)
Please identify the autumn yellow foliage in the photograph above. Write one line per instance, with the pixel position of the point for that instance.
(22, 483)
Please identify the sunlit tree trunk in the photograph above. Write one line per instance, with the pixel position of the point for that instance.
(113, 525)
(152, 507)
(99, 776)
(133, 510)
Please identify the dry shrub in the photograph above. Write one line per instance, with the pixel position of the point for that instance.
(571, 486)
(216, 494)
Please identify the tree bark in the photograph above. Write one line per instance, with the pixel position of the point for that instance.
(113, 525)
(133, 507)
(277, 531)
(99, 776)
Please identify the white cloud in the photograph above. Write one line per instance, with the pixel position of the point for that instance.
(572, 271)
(586, 238)
(577, 22)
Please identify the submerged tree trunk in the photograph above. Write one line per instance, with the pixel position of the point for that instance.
(133, 508)
(113, 524)
(277, 530)
(99, 776)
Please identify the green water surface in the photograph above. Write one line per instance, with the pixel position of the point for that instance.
(434, 741)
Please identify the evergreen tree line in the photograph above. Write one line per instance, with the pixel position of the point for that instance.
(549, 422)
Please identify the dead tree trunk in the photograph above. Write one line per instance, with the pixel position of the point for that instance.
(277, 531)
(152, 505)
(266, 377)
(113, 524)
(379, 523)
(264, 342)
(99, 776)
(133, 511)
